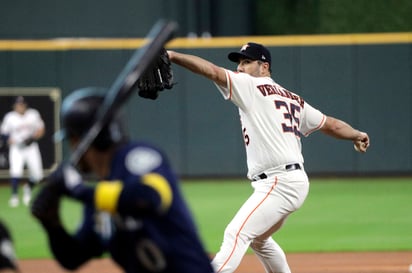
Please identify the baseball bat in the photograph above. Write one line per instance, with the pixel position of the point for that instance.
(123, 86)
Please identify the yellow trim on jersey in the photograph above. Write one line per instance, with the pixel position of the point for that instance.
(161, 186)
(107, 195)
(214, 42)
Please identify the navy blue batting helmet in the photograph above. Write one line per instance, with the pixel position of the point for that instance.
(78, 113)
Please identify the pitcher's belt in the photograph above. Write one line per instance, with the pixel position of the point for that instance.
(288, 168)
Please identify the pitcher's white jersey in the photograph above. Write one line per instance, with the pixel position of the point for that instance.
(20, 127)
(265, 109)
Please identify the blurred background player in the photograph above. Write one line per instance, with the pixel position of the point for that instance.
(20, 129)
(136, 210)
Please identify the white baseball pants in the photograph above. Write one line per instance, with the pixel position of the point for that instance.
(273, 199)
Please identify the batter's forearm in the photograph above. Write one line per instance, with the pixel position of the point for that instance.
(69, 251)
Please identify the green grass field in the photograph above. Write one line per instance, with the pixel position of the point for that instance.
(373, 214)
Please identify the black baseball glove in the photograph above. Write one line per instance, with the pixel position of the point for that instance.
(158, 76)
(7, 255)
(29, 141)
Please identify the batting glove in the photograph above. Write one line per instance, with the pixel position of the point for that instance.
(66, 180)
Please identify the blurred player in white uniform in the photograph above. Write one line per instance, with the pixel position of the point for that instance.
(20, 129)
(273, 121)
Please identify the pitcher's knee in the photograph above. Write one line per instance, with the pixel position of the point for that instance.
(256, 244)
(233, 233)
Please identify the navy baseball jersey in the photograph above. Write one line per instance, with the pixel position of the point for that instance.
(159, 237)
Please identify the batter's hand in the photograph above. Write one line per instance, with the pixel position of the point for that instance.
(45, 206)
(65, 180)
(361, 144)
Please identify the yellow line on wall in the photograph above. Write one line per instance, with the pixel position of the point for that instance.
(296, 40)
(64, 44)
(70, 44)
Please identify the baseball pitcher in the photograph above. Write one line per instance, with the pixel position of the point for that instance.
(273, 121)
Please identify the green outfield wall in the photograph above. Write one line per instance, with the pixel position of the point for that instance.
(363, 79)
(25, 19)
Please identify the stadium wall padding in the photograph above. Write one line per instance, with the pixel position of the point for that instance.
(367, 85)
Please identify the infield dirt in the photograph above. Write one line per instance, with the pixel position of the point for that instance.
(351, 262)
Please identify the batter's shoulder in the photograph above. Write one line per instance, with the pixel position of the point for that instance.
(9, 116)
(32, 111)
(140, 157)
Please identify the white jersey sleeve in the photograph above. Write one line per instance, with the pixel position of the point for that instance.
(273, 120)
(312, 120)
(6, 125)
(38, 122)
(238, 81)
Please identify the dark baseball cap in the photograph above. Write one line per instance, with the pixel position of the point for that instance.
(251, 51)
(20, 99)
